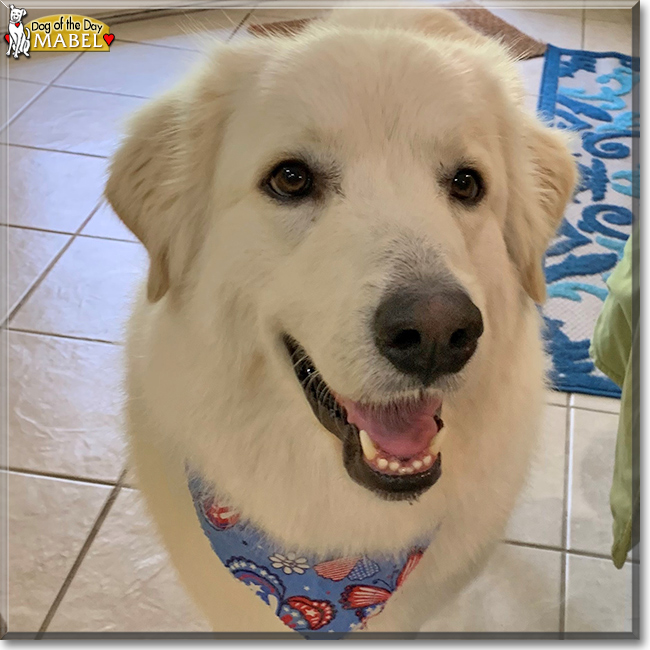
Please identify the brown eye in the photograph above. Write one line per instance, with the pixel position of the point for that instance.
(467, 186)
(290, 179)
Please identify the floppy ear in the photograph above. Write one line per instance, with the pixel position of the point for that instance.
(160, 178)
(536, 214)
(24, 12)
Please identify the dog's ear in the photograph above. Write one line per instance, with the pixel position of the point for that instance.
(11, 7)
(24, 12)
(160, 180)
(145, 184)
(535, 214)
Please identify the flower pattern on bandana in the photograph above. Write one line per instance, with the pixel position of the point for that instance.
(336, 595)
(289, 563)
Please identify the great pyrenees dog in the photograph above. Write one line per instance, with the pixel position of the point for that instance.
(339, 336)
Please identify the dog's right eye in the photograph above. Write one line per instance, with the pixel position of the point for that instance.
(291, 179)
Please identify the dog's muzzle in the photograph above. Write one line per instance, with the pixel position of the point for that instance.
(392, 446)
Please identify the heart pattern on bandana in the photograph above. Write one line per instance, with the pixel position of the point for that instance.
(364, 568)
(336, 569)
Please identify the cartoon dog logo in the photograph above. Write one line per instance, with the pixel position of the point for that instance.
(18, 33)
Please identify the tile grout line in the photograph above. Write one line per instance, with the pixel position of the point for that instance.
(241, 23)
(72, 153)
(69, 337)
(69, 234)
(59, 476)
(67, 67)
(107, 238)
(582, 32)
(103, 513)
(30, 290)
(556, 549)
(36, 228)
(25, 106)
(570, 403)
(564, 564)
(568, 478)
(568, 458)
(589, 409)
(566, 515)
(39, 280)
(40, 94)
(100, 91)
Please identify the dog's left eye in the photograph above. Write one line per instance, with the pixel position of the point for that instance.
(467, 186)
(290, 179)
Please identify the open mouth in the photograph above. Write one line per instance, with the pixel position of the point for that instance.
(391, 448)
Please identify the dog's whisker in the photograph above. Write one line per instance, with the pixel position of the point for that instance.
(302, 359)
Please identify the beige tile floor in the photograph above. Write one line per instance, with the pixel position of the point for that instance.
(82, 554)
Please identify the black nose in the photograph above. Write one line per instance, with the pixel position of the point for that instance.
(428, 334)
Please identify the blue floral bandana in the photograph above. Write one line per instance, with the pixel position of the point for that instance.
(337, 595)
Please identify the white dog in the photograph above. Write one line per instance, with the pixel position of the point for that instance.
(18, 33)
(345, 230)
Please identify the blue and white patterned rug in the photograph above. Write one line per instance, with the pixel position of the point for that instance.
(589, 93)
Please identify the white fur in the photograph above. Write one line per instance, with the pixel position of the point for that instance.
(392, 98)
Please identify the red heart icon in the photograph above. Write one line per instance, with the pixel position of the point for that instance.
(109, 38)
(7, 38)
(317, 613)
(16, 24)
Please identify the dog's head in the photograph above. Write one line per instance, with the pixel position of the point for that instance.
(16, 14)
(350, 220)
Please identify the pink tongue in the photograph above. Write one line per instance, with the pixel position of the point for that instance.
(402, 430)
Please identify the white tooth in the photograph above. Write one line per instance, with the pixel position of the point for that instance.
(417, 464)
(427, 460)
(382, 463)
(368, 447)
(408, 470)
(436, 443)
(402, 470)
(393, 465)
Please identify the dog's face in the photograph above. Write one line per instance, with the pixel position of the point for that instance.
(15, 14)
(346, 209)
